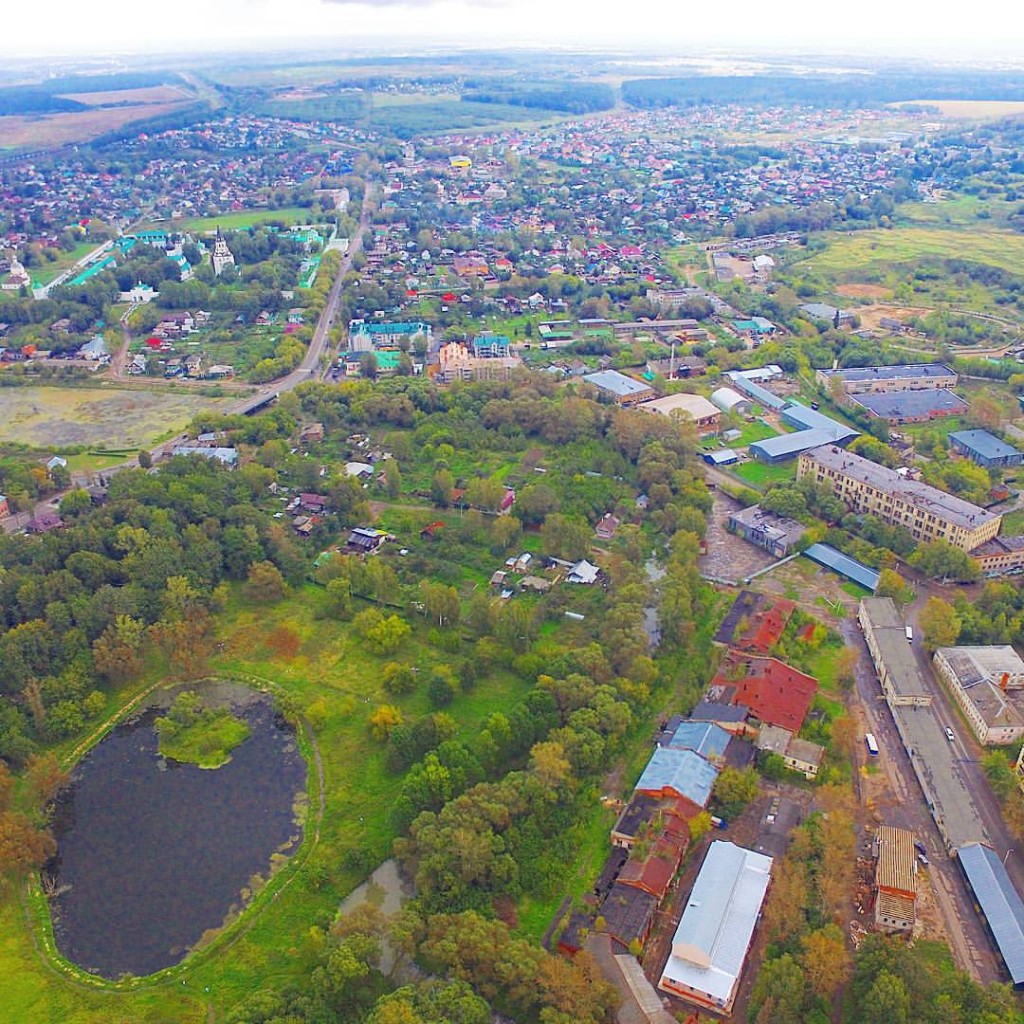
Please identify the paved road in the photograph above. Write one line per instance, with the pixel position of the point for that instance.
(972, 948)
(306, 370)
(968, 754)
(321, 336)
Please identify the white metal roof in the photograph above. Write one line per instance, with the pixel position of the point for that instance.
(714, 935)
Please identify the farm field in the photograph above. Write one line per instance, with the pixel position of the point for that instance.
(49, 130)
(971, 110)
(101, 418)
(123, 97)
(846, 254)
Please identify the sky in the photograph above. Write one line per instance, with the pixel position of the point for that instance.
(99, 27)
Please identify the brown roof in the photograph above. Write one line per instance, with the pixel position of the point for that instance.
(895, 869)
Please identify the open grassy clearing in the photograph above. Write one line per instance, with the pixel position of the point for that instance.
(761, 474)
(863, 250)
(48, 271)
(93, 462)
(59, 417)
(1013, 522)
(957, 211)
(327, 670)
(50, 130)
(240, 219)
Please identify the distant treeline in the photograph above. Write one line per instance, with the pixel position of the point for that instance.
(570, 97)
(47, 97)
(842, 90)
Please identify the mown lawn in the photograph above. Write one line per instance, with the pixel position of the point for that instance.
(241, 219)
(761, 474)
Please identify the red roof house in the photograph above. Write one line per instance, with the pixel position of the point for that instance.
(775, 693)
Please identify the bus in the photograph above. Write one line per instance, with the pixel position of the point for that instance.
(872, 746)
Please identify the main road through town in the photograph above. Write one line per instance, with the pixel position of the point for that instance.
(307, 370)
(311, 364)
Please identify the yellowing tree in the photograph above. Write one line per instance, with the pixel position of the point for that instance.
(384, 719)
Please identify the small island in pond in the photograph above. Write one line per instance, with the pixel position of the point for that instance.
(197, 734)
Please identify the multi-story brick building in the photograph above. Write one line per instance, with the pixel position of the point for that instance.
(928, 513)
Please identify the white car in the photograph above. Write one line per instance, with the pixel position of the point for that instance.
(949, 734)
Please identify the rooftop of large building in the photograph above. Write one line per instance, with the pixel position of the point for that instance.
(973, 664)
(982, 443)
(928, 499)
(889, 631)
(896, 866)
(1000, 902)
(902, 405)
(711, 943)
(697, 407)
(617, 383)
(900, 371)
(774, 692)
(682, 771)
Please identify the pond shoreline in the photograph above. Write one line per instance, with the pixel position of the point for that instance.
(235, 920)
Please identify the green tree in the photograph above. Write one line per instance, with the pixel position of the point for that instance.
(778, 993)
(265, 584)
(891, 584)
(398, 679)
(940, 623)
(117, 651)
(941, 560)
(887, 1000)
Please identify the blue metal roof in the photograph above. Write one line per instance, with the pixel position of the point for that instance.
(790, 444)
(982, 443)
(803, 417)
(830, 558)
(683, 771)
(759, 394)
(705, 738)
(999, 901)
(723, 457)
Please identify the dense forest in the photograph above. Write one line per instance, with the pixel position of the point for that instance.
(832, 90)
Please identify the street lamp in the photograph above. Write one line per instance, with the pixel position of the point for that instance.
(1007, 857)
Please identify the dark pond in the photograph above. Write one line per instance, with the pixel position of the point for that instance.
(152, 853)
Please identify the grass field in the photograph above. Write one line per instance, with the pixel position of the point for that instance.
(1013, 523)
(761, 474)
(93, 462)
(46, 273)
(104, 419)
(49, 130)
(326, 668)
(241, 219)
(862, 250)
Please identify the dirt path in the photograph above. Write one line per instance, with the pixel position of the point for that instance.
(120, 360)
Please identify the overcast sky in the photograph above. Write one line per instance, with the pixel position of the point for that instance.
(884, 26)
